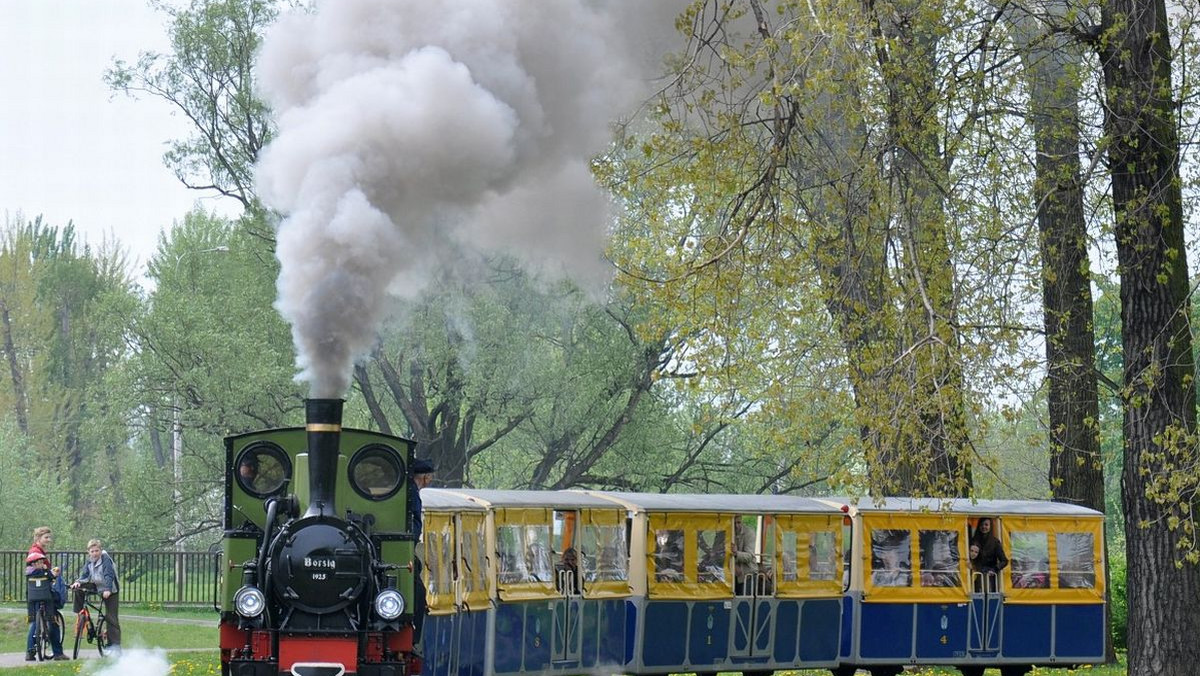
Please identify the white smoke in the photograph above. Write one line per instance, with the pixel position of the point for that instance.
(412, 131)
(137, 662)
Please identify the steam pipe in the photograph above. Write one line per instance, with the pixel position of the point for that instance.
(323, 419)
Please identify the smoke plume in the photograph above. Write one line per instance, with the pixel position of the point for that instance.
(411, 132)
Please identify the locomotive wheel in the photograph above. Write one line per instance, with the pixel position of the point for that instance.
(844, 670)
(971, 670)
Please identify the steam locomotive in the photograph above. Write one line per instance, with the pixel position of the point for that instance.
(317, 568)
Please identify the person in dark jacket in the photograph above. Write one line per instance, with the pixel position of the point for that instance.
(987, 554)
(421, 472)
(100, 574)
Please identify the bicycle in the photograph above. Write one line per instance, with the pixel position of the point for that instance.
(42, 643)
(96, 631)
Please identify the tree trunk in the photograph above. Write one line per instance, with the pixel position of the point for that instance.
(930, 454)
(20, 399)
(1159, 391)
(1076, 468)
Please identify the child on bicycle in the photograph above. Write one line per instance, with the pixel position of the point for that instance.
(40, 577)
(100, 574)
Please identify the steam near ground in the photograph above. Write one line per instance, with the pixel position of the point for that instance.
(135, 662)
(414, 136)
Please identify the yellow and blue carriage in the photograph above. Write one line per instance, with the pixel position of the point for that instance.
(698, 610)
(563, 582)
(914, 598)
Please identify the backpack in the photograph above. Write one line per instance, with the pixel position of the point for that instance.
(59, 588)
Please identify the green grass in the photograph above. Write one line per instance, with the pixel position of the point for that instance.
(134, 633)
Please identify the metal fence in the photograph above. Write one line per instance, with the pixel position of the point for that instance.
(169, 578)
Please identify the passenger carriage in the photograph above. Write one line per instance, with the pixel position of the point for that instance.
(502, 602)
(914, 599)
(694, 616)
(654, 590)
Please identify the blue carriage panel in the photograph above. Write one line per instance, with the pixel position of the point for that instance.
(787, 626)
(886, 630)
(437, 640)
(941, 630)
(741, 617)
(510, 636)
(847, 627)
(819, 630)
(708, 633)
(1027, 631)
(631, 625)
(612, 631)
(1079, 631)
(663, 644)
(763, 617)
(590, 625)
(472, 639)
(539, 628)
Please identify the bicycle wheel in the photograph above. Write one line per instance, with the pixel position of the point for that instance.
(102, 635)
(83, 624)
(41, 635)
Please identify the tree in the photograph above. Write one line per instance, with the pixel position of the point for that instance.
(213, 358)
(208, 77)
(1160, 448)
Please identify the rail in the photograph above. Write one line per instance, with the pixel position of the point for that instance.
(168, 578)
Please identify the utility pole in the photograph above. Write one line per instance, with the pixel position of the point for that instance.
(177, 457)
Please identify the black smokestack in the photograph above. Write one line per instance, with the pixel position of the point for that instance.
(324, 425)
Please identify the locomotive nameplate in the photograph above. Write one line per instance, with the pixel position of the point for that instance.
(320, 563)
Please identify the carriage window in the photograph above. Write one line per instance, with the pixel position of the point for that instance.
(436, 581)
(668, 555)
(891, 558)
(376, 472)
(939, 558)
(263, 469)
(710, 556)
(1076, 560)
(524, 554)
(1030, 560)
(446, 560)
(789, 556)
(822, 556)
(468, 561)
(603, 549)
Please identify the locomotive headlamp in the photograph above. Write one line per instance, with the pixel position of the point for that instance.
(389, 604)
(249, 601)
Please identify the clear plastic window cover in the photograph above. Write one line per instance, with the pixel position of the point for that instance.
(1029, 559)
(1076, 560)
(822, 556)
(602, 554)
(710, 556)
(789, 572)
(668, 555)
(940, 558)
(525, 554)
(891, 558)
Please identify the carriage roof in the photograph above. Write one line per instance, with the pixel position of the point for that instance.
(722, 502)
(965, 506)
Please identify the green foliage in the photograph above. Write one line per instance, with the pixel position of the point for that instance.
(1118, 607)
(31, 494)
(208, 77)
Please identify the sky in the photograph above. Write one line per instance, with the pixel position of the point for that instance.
(70, 150)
